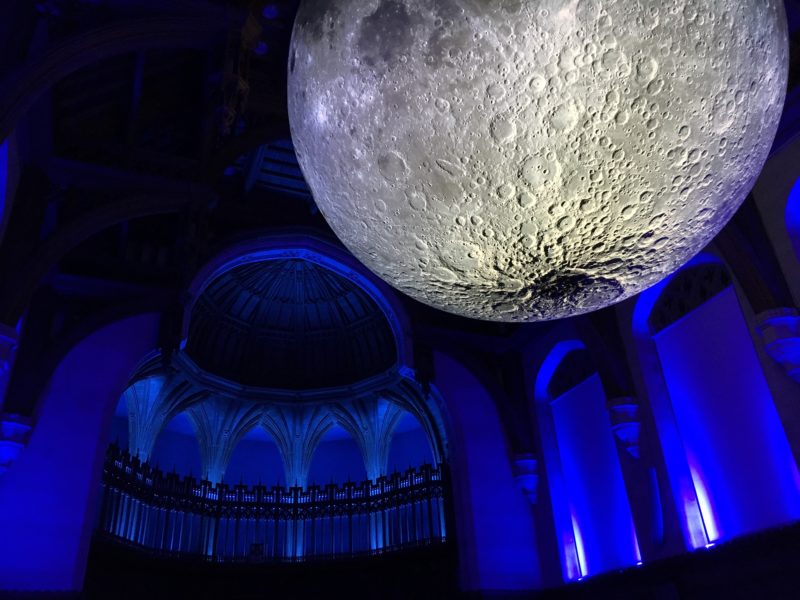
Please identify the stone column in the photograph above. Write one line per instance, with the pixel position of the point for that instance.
(371, 422)
(221, 423)
(526, 473)
(297, 430)
(151, 404)
(626, 423)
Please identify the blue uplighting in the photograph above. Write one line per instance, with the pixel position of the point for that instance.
(590, 504)
(793, 217)
(716, 418)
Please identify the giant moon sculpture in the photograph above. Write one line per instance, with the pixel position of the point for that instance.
(523, 160)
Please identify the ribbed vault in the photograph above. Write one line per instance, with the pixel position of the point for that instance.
(291, 324)
(221, 417)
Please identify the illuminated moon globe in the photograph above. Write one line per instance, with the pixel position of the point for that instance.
(524, 160)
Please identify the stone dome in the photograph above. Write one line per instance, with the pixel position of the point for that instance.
(289, 323)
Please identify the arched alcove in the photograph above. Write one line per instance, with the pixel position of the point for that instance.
(730, 466)
(337, 459)
(410, 446)
(255, 460)
(592, 514)
(177, 448)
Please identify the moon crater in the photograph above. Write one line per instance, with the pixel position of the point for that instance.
(524, 161)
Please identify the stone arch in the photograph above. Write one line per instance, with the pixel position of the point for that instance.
(410, 445)
(593, 520)
(256, 459)
(177, 448)
(337, 458)
(706, 388)
(493, 518)
(370, 422)
(56, 480)
(28, 276)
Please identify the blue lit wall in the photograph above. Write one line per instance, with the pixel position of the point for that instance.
(337, 459)
(496, 535)
(595, 491)
(743, 471)
(48, 498)
(256, 459)
(793, 217)
(410, 447)
(177, 448)
(119, 430)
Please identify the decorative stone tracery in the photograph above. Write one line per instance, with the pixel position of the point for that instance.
(222, 413)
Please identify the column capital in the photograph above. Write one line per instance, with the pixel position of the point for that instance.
(526, 473)
(626, 422)
(780, 332)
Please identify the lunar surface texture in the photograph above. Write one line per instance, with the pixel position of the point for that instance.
(531, 160)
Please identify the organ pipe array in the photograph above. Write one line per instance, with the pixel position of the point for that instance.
(175, 515)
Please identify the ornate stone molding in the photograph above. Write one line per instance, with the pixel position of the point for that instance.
(780, 333)
(14, 433)
(625, 423)
(222, 412)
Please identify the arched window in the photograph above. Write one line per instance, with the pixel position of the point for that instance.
(729, 462)
(177, 448)
(410, 446)
(590, 504)
(337, 459)
(255, 460)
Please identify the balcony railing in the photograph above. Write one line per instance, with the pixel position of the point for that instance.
(175, 515)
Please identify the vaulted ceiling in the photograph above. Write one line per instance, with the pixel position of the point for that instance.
(289, 323)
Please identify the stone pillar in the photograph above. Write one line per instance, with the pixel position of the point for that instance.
(220, 424)
(780, 332)
(626, 423)
(151, 404)
(297, 430)
(14, 433)
(526, 474)
(371, 422)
